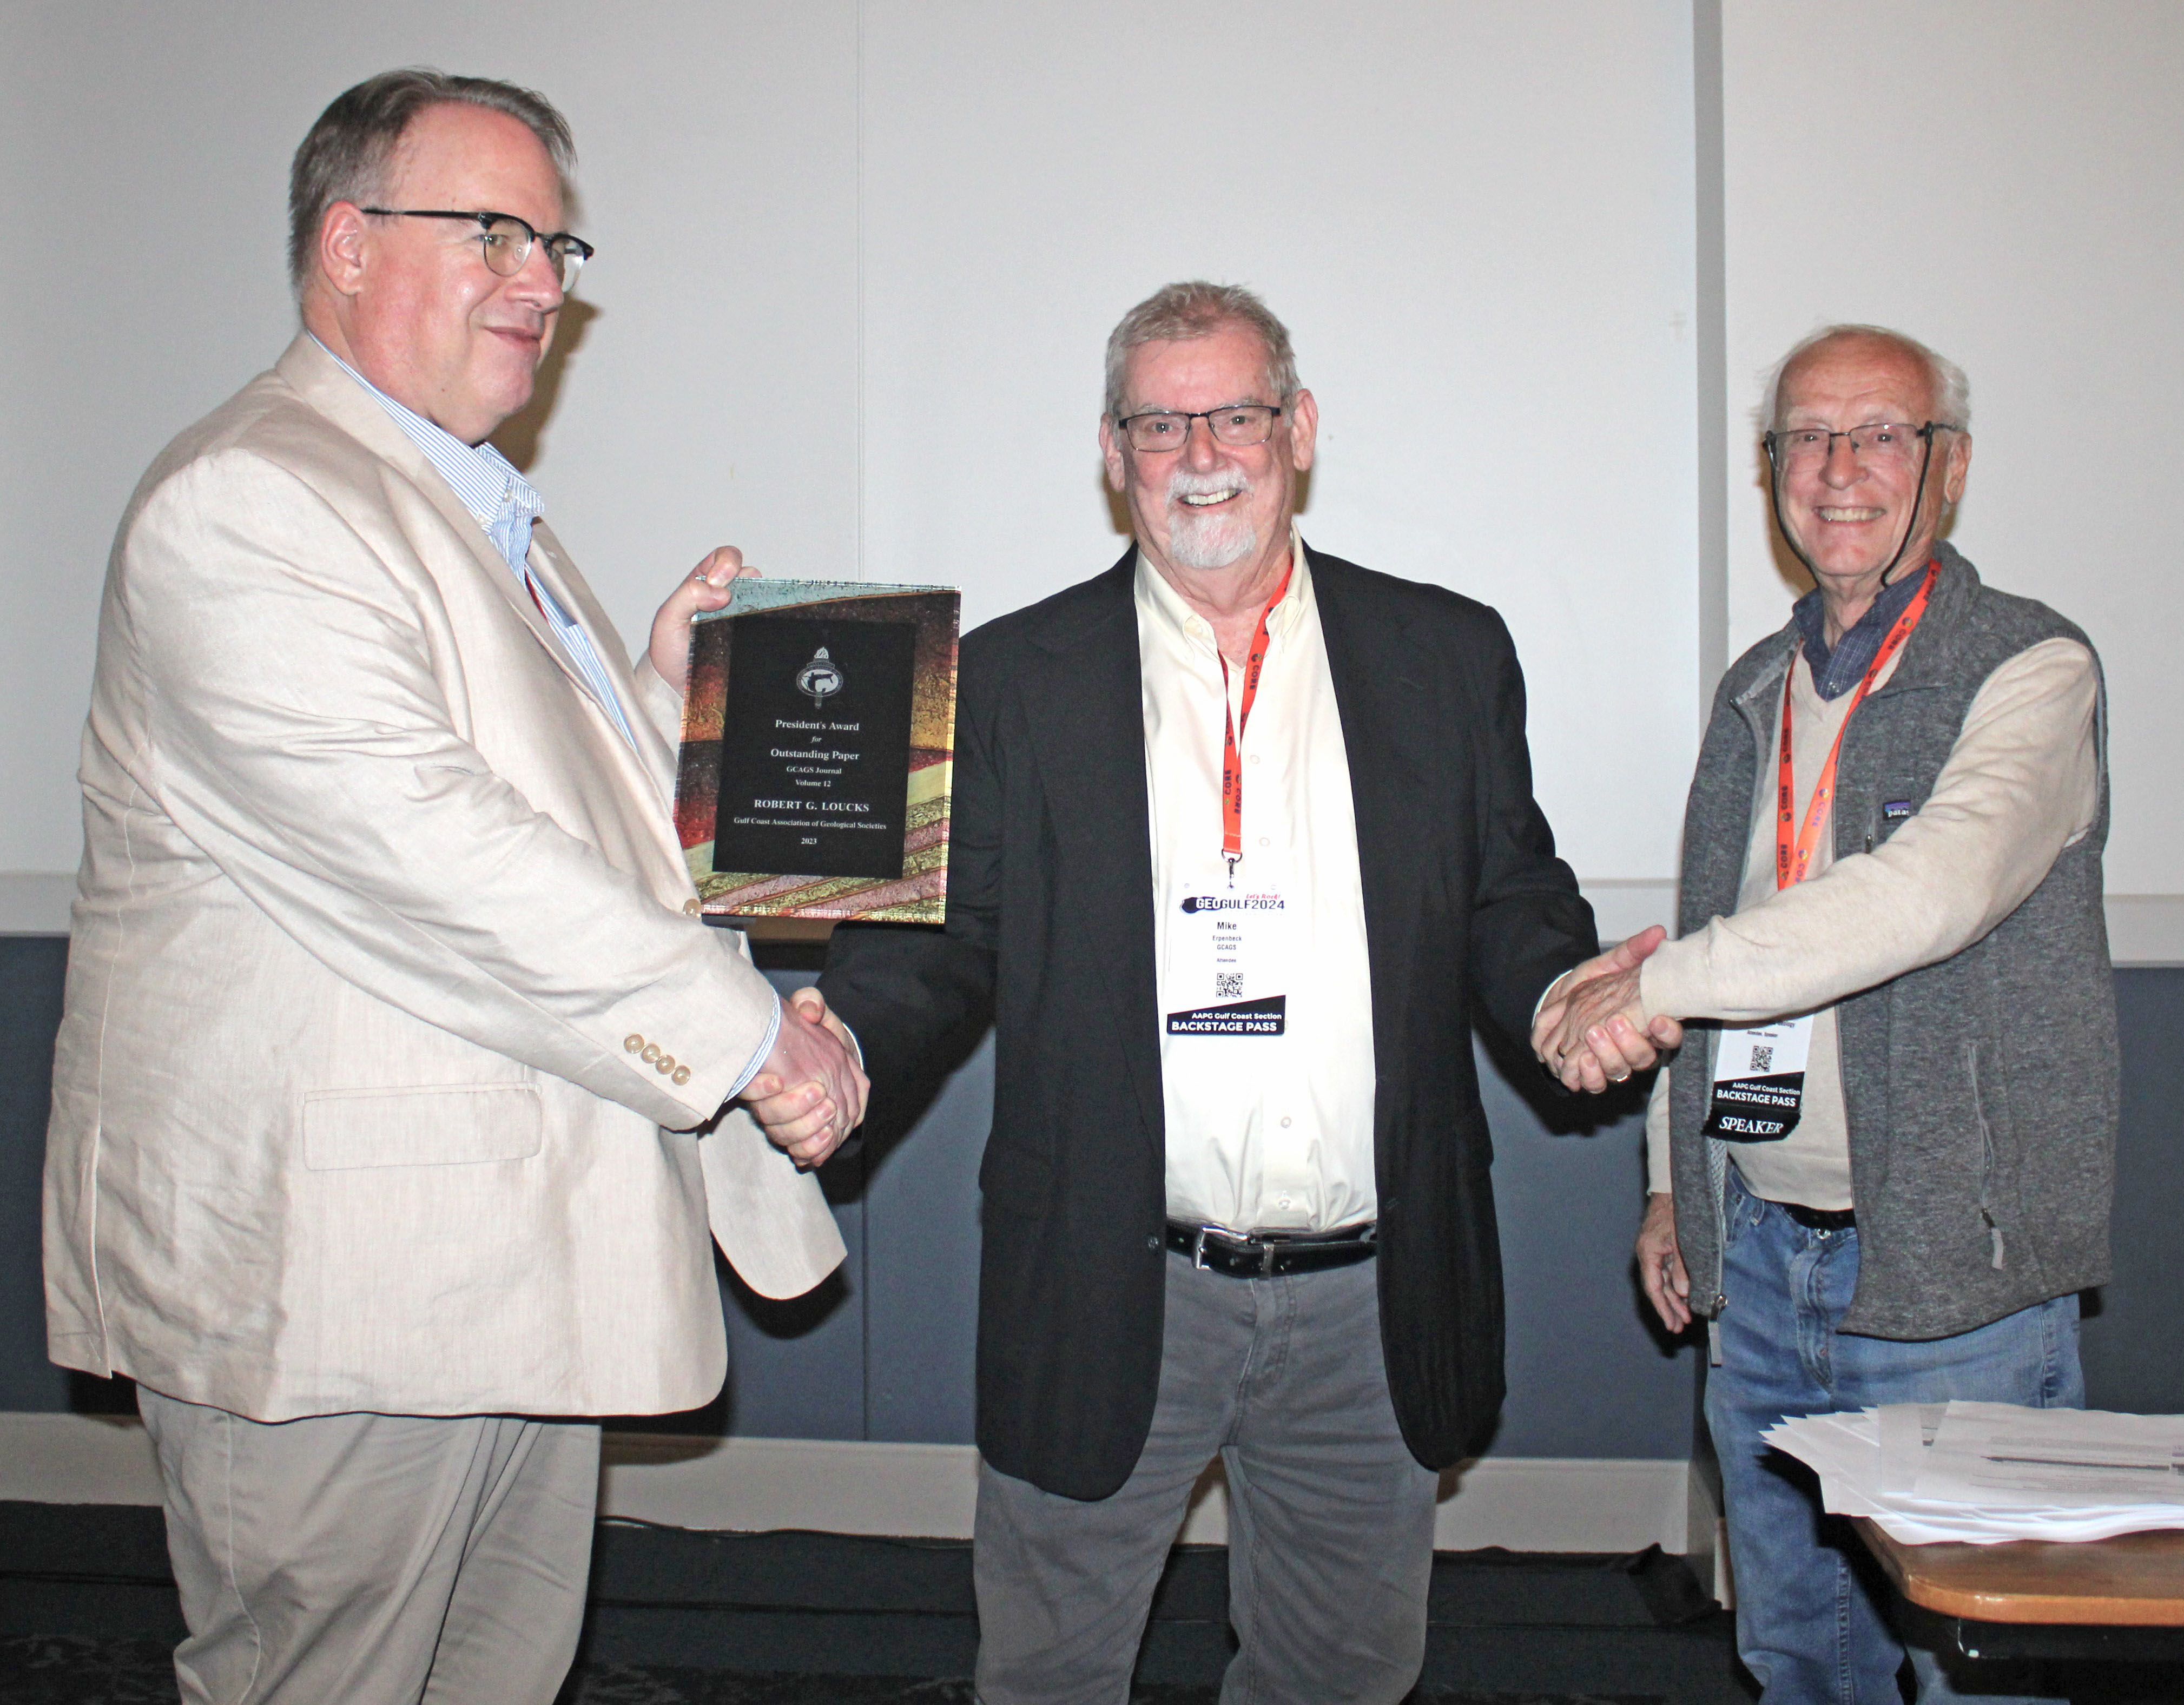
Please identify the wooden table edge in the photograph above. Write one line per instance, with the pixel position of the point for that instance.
(2042, 1608)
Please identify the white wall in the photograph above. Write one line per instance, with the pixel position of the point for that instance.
(710, 393)
(1476, 217)
(2004, 179)
(857, 261)
(1476, 220)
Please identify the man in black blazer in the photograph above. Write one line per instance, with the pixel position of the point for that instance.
(1236, 1192)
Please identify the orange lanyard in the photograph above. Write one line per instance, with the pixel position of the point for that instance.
(1794, 859)
(1235, 723)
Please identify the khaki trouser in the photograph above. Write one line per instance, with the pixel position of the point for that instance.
(375, 1559)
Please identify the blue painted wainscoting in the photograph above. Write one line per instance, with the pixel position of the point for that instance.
(884, 1351)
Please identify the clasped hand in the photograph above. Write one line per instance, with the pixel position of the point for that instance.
(1592, 1029)
(809, 1092)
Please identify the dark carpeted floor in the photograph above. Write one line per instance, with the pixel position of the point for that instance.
(87, 1612)
(88, 1616)
(77, 1670)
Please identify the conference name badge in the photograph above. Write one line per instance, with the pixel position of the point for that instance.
(1229, 945)
(1759, 1082)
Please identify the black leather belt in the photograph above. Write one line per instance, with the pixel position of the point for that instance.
(1269, 1254)
(1821, 1218)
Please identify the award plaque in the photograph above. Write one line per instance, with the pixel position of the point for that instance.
(818, 739)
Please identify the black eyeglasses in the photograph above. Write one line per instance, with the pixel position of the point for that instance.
(1239, 425)
(1884, 442)
(507, 240)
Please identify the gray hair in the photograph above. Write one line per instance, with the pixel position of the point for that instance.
(1950, 391)
(1196, 308)
(345, 158)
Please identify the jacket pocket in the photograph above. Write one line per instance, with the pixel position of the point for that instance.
(446, 1125)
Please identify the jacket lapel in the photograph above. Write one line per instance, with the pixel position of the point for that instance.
(1085, 711)
(318, 379)
(1390, 726)
(647, 773)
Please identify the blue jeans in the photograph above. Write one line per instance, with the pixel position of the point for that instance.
(1811, 1611)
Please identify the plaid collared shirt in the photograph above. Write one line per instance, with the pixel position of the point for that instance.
(1836, 672)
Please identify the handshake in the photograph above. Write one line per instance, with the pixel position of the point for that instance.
(1592, 1030)
(809, 1092)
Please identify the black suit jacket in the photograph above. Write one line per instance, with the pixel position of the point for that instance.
(1050, 935)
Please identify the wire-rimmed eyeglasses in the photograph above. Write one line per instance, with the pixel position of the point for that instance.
(507, 240)
(1239, 425)
(1881, 443)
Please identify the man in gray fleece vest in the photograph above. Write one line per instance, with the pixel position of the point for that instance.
(1881, 1164)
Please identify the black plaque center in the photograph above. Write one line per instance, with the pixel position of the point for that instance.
(814, 748)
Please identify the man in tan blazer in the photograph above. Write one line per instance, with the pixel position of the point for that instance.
(390, 1029)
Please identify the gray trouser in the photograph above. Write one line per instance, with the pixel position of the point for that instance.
(374, 1559)
(1330, 1520)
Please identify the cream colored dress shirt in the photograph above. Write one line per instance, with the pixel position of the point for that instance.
(1264, 1132)
(2021, 783)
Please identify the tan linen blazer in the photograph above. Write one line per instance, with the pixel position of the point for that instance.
(376, 908)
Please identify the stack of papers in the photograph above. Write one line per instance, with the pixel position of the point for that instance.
(1979, 1474)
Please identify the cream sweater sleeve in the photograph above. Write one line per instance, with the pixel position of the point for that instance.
(2021, 784)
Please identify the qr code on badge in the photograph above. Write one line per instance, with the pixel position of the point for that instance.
(1227, 982)
(1762, 1059)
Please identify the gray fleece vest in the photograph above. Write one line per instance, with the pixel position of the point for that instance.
(1981, 1092)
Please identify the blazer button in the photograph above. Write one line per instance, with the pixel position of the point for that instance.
(1153, 1242)
(650, 1054)
(693, 907)
(679, 1076)
(633, 1043)
(664, 1064)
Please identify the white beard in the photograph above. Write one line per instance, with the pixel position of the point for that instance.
(1208, 538)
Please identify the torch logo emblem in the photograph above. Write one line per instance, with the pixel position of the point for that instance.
(820, 679)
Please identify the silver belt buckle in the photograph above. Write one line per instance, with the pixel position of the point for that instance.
(1198, 1250)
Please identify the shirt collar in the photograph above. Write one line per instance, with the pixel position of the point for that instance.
(485, 481)
(1837, 669)
(1166, 604)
